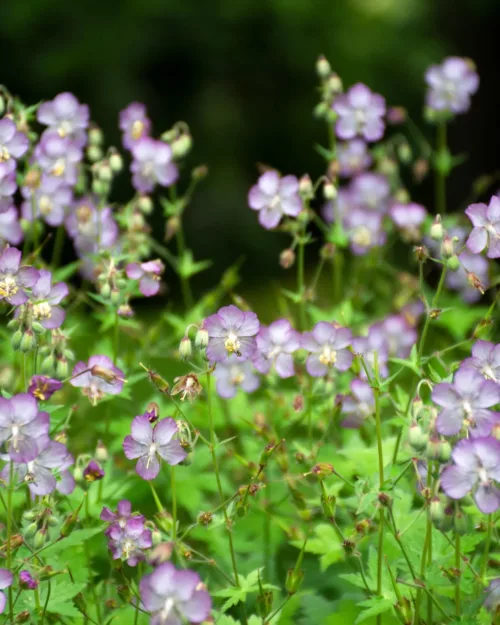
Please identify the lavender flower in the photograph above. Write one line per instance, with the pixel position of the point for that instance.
(231, 331)
(408, 218)
(275, 197)
(97, 378)
(359, 405)
(134, 123)
(327, 345)
(492, 600)
(128, 541)
(10, 228)
(45, 298)
(486, 231)
(8, 184)
(121, 516)
(27, 581)
(367, 347)
(364, 231)
(91, 229)
(49, 201)
(275, 346)
(41, 387)
(58, 157)
(152, 165)
(472, 268)
(13, 144)
(93, 472)
(451, 85)
(360, 113)
(38, 473)
(6, 579)
(466, 400)
(233, 374)
(477, 466)
(485, 359)
(370, 192)
(21, 424)
(152, 444)
(353, 157)
(173, 596)
(14, 278)
(148, 275)
(399, 334)
(65, 115)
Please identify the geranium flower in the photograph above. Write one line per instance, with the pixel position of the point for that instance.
(13, 144)
(275, 197)
(486, 231)
(359, 405)
(14, 278)
(41, 387)
(451, 85)
(50, 201)
(21, 424)
(485, 359)
(148, 275)
(134, 123)
(66, 116)
(152, 164)
(231, 331)
(275, 346)
(97, 378)
(58, 157)
(327, 345)
(232, 374)
(360, 113)
(6, 579)
(44, 299)
(353, 157)
(128, 541)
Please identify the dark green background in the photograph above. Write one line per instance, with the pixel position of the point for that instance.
(241, 72)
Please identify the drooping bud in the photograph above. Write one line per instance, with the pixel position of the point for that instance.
(416, 437)
(447, 247)
(306, 187)
(95, 136)
(437, 231)
(116, 162)
(181, 146)
(436, 510)
(93, 472)
(287, 258)
(453, 263)
(185, 348)
(298, 403)
(152, 411)
(461, 523)
(396, 115)
(145, 204)
(201, 338)
(422, 253)
(329, 191)
(323, 68)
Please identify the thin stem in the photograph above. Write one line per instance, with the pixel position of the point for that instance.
(440, 179)
(427, 545)
(187, 295)
(487, 547)
(9, 534)
(380, 452)
(58, 248)
(428, 317)
(300, 284)
(458, 562)
(156, 498)
(116, 338)
(338, 267)
(174, 505)
(217, 478)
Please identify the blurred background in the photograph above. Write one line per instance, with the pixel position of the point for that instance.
(241, 73)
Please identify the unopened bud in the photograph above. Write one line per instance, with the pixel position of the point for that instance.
(201, 338)
(436, 510)
(404, 153)
(329, 191)
(95, 136)
(181, 146)
(334, 84)
(461, 523)
(16, 339)
(199, 172)
(172, 227)
(420, 169)
(185, 348)
(145, 204)
(31, 530)
(287, 258)
(293, 580)
(444, 451)
(205, 518)
(453, 263)
(385, 500)
(437, 231)
(422, 253)
(39, 538)
(61, 368)
(447, 247)
(306, 187)
(94, 153)
(298, 403)
(416, 437)
(116, 162)
(433, 448)
(101, 453)
(104, 171)
(396, 115)
(28, 342)
(323, 68)
(322, 470)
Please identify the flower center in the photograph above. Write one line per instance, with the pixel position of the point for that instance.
(137, 129)
(64, 129)
(232, 344)
(58, 168)
(42, 310)
(360, 117)
(8, 286)
(127, 548)
(151, 454)
(467, 407)
(167, 608)
(483, 476)
(237, 376)
(275, 202)
(328, 356)
(4, 154)
(488, 373)
(362, 236)
(45, 205)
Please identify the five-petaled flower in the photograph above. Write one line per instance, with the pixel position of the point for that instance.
(97, 378)
(134, 123)
(485, 359)
(451, 85)
(486, 231)
(231, 331)
(275, 197)
(6, 579)
(148, 274)
(128, 541)
(66, 116)
(14, 278)
(275, 345)
(360, 113)
(21, 424)
(233, 374)
(152, 165)
(327, 345)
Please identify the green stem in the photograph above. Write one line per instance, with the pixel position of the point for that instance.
(458, 561)
(217, 478)
(427, 545)
(9, 534)
(428, 317)
(174, 506)
(156, 498)
(487, 547)
(300, 284)
(380, 453)
(116, 338)
(58, 248)
(187, 295)
(440, 178)
(338, 267)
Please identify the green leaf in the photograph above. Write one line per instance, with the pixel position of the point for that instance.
(294, 297)
(188, 267)
(61, 593)
(374, 605)
(76, 538)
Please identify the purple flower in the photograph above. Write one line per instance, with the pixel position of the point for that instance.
(21, 424)
(408, 218)
(151, 444)
(49, 201)
(6, 579)
(121, 516)
(275, 346)
(233, 374)
(148, 275)
(93, 472)
(353, 157)
(370, 192)
(466, 400)
(359, 405)
(128, 541)
(399, 334)
(485, 359)
(13, 144)
(477, 466)
(38, 473)
(472, 267)
(152, 165)
(451, 85)
(134, 123)
(45, 298)
(97, 378)
(486, 231)
(41, 387)
(15, 278)
(58, 156)
(275, 197)
(65, 115)
(174, 596)
(493, 595)
(231, 331)
(91, 229)
(8, 183)
(360, 113)
(27, 581)
(338, 208)
(10, 228)
(367, 346)
(364, 230)
(327, 345)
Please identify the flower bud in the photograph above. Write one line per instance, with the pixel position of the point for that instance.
(61, 368)
(436, 510)
(453, 263)
(323, 68)
(185, 348)
(422, 253)
(437, 231)
(293, 580)
(94, 153)
(321, 110)
(39, 539)
(199, 172)
(475, 282)
(396, 115)
(447, 247)
(16, 339)
(181, 146)
(287, 258)
(156, 537)
(23, 617)
(444, 451)
(306, 187)
(37, 327)
(420, 169)
(329, 191)
(145, 204)
(28, 342)
(404, 153)
(95, 136)
(116, 162)
(160, 553)
(31, 530)
(433, 448)
(2, 105)
(298, 403)
(29, 515)
(205, 518)
(201, 338)
(93, 472)
(172, 227)
(334, 84)
(104, 171)
(322, 470)
(100, 187)
(461, 523)
(416, 437)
